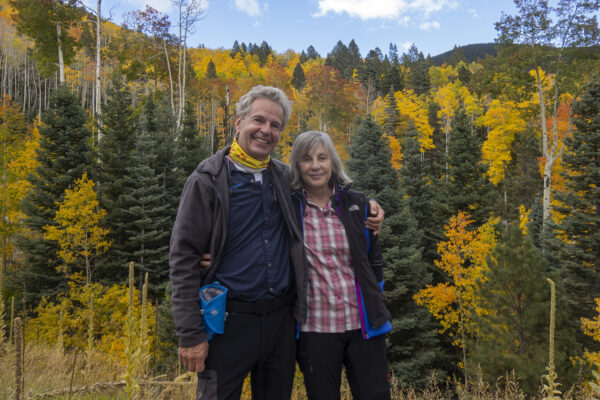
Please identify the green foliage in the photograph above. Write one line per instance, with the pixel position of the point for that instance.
(579, 231)
(468, 188)
(120, 129)
(43, 22)
(298, 78)
(148, 213)
(190, 147)
(513, 330)
(404, 271)
(64, 155)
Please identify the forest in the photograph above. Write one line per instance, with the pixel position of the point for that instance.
(485, 160)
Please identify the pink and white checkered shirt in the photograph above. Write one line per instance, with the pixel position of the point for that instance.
(332, 306)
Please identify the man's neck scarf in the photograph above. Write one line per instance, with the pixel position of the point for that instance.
(239, 155)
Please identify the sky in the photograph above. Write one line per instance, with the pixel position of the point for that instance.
(434, 26)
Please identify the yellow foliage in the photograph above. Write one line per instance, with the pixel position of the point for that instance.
(503, 121)
(413, 108)
(463, 257)
(441, 76)
(77, 228)
(591, 327)
(523, 219)
(110, 315)
(449, 98)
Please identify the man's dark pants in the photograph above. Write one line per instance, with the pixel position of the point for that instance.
(262, 345)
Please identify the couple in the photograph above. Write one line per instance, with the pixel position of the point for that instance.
(302, 270)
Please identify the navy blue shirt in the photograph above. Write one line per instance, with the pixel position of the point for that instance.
(255, 264)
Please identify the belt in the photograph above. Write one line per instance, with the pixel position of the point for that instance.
(263, 306)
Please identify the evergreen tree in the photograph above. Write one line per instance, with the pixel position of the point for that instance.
(340, 59)
(190, 148)
(149, 214)
(120, 128)
(468, 188)
(298, 78)
(263, 52)
(311, 53)
(521, 183)
(424, 197)
(64, 155)
(391, 121)
(412, 341)
(211, 70)
(419, 79)
(235, 49)
(514, 330)
(580, 248)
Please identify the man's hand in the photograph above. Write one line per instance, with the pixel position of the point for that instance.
(205, 260)
(193, 357)
(375, 220)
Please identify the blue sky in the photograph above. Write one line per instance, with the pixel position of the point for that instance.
(434, 26)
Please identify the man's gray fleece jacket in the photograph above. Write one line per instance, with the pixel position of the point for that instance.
(201, 227)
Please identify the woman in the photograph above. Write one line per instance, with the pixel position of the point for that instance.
(343, 302)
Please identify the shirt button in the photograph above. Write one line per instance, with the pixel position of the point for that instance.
(266, 241)
(270, 265)
(271, 290)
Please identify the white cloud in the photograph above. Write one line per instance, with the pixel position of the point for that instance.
(250, 7)
(405, 46)
(473, 12)
(382, 9)
(429, 25)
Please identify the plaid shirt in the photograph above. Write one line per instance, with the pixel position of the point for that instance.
(332, 306)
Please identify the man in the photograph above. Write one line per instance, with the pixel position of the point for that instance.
(236, 207)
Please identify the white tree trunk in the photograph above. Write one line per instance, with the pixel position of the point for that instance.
(98, 107)
(61, 61)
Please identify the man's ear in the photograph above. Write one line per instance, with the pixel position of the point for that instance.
(238, 121)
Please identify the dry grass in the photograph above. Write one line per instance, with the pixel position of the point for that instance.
(48, 371)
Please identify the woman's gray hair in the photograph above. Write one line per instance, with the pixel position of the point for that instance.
(265, 92)
(303, 145)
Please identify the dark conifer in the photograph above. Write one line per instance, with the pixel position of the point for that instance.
(513, 333)
(120, 128)
(298, 78)
(468, 188)
(579, 249)
(64, 155)
(412, 341)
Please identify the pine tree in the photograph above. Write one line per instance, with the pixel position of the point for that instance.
(116, 154)
(513, 331)
(211, 70)
(391, 121)
(148, 214)
(64, 155)
(424, 197)
(522, 177)
(419, 79)
(190, 148)
(412, 341)
(298, 78)
(468, 188)
(579, 250)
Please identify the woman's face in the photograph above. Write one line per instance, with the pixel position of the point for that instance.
(315, 168)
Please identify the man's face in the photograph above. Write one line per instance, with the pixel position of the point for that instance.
(258, 131)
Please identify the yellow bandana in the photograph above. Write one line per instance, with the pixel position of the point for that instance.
(239, 155)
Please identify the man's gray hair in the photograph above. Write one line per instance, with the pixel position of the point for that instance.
(303, 145)
(265, 92)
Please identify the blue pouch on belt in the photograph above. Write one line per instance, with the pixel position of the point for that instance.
(213, 299)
